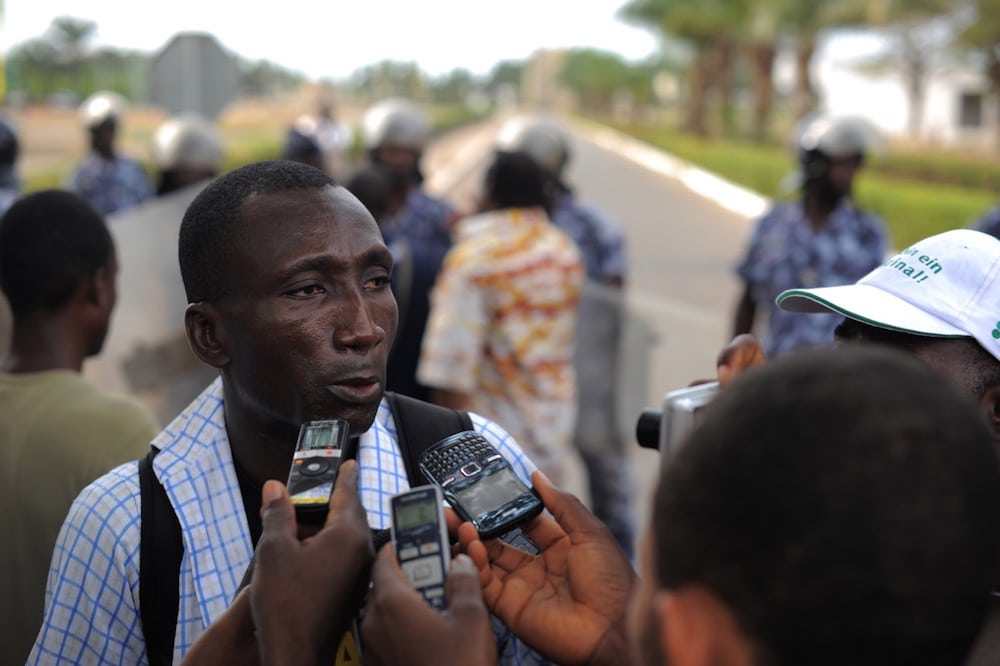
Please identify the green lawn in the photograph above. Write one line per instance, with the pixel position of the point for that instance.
(917, 194)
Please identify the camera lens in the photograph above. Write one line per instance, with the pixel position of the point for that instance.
(647, 428)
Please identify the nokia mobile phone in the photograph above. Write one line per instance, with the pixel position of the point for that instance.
(420, 537)
(314, 468)
(479, 483)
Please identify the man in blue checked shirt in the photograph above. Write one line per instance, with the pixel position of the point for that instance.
(287, 278)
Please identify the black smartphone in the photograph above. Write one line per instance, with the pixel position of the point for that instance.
(479, 483)
(420, 537)
(314, 468)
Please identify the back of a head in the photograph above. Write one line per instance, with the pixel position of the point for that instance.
(514, 180)
(187, 140)
(540, 137)
(50, 241)
(372, 186)
(844, 506)
(209, 227)
(9, 151)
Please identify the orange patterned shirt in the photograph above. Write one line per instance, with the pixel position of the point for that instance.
(501, 328)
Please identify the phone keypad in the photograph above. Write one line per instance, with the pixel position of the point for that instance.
(465, 452)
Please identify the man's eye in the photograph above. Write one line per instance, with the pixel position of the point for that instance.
(377, 282)
(305, 292)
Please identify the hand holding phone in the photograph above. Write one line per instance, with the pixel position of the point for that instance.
(479, 483)
(420, 538)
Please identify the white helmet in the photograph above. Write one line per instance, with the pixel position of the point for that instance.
(101, 107)
(188, 140)
(540, 137)
(838, 137)
(396, 121)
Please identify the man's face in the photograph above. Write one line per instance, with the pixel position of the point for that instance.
(399, 161)
(310, 318)
(841, 173)
(644, 635)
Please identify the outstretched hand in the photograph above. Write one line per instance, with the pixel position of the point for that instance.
(304, 594)
(568, 602)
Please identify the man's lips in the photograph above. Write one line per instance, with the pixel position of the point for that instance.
(356, 389)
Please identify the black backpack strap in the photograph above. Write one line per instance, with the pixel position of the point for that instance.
(420, 425)
(160, 552)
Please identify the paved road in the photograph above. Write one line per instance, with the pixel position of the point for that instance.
(680, 291)
(682, 247)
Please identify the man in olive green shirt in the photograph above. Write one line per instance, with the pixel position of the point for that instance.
(57, 432)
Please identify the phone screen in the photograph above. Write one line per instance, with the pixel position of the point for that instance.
(416, 514)
(491, 492)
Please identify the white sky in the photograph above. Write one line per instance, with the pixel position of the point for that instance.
(333, 38)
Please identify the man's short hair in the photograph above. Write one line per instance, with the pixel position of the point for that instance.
(50, 242)
(843, 506)
(208, 229)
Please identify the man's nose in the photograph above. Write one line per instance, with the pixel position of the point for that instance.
(355, 327)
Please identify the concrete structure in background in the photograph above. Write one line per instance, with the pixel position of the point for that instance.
(958, 110)
(194, 73)
(540, 86)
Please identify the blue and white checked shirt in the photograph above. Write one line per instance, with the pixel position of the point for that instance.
(92, 595)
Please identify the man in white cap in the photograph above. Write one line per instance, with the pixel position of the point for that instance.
(940, 300)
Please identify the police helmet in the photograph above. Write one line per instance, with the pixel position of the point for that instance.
(822, 139)
(541, 138)
(101, 107)
(187, 140)
(398, 122)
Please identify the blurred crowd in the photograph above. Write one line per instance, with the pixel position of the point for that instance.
(838, 501)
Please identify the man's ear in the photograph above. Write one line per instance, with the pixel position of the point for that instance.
(989, 405)
(697, 629)
(206, 334)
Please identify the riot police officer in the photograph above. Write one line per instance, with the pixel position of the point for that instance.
(395, 132)
(108, 181)
(820, 240)
(187, 149)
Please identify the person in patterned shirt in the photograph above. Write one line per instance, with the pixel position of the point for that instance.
(500, 336)
(108, 181)
(822, 240)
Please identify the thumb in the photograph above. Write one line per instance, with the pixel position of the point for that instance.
(277, 512)
(465, 596)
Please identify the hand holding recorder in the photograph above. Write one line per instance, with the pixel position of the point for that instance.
(569, 601)
(304, 593)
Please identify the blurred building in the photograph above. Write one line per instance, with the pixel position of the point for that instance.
(958, 109)
(194, 73)
(540, 86)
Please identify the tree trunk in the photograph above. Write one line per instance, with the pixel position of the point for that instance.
(993, 69)
(723, 80)
(915, 73)
(804, 100)
(695, 121)
(762, 61)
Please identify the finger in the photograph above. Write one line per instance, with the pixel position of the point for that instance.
(345, 499)
(569, 512)
(452, 520)
(388, 579)
(277, 512)
(463, 591)
(742, 353)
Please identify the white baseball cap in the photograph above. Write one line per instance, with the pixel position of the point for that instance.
(944, 286)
